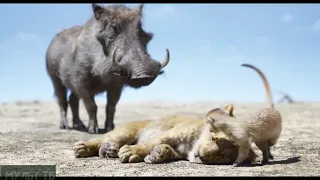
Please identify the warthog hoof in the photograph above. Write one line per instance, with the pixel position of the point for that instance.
(93, 129)
(108, 128)
(64, 124)
(78, 125)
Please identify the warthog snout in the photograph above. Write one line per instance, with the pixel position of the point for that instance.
(144, 74)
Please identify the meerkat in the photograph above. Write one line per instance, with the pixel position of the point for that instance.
(263, 127)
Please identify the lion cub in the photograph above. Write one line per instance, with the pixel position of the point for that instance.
(263, 128)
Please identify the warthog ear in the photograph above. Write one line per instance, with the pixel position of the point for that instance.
(139, 9)
(97, 11)
(229, 109)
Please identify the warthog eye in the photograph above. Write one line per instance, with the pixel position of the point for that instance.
(115, 28)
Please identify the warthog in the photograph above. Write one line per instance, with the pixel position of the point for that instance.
(106, 53)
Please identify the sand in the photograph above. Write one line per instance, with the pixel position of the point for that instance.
(30, 134)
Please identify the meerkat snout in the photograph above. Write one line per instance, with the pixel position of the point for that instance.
(215, 115)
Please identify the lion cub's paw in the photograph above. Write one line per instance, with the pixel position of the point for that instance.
(109, 149)
(127, 154)
(159, 154)
(80, 149)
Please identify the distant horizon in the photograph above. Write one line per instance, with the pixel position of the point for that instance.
(101, 100)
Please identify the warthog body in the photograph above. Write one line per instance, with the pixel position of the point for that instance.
(107, 53)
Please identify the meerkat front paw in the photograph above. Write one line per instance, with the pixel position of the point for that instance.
(109, 149)
(159, 154)
(81, 149)
(128, 154)
(264, 161)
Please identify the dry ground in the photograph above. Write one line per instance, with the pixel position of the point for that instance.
(30, 134)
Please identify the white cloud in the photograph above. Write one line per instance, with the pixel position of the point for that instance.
(21, 36)
(261, 41)
(287, 18)
(231, 49)
(24, 36)
(163, 11)
(235, 59)
(167, 9)
(316, 25)
(204, 45)
(21, 43)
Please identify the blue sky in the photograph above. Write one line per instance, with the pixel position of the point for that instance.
(208, 42)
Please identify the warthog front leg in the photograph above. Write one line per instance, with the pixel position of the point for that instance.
(92, 109)
(61, 94)
(113, 96)
(74, 105)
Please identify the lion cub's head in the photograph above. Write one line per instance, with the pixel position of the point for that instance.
(216, 148)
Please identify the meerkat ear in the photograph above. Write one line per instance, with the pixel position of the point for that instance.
(229, 109)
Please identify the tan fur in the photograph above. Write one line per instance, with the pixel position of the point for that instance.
(167, 139)
(263, 128)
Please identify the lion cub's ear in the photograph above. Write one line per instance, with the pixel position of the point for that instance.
(229, 109)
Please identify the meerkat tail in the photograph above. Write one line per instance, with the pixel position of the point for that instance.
(265, 82)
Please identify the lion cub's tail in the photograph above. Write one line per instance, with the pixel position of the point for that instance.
(265, 82)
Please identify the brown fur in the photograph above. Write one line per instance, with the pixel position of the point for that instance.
(158, 141)
(263, 128)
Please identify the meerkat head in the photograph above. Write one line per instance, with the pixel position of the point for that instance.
(217, 117)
